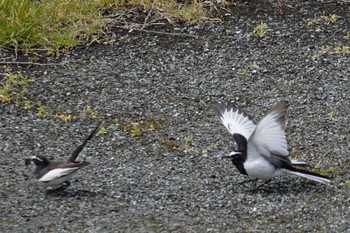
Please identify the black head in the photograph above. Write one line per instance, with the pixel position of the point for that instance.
(238, 158)
(40, 160)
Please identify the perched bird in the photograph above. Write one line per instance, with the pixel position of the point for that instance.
(52, 173)
(262, 149)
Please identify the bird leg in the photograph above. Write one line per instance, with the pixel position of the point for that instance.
(245, 181)
(256, 188)
(59, 189)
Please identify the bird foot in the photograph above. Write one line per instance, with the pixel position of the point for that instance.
(259, 186)
(59, 189)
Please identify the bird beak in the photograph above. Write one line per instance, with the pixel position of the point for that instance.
(27, 160)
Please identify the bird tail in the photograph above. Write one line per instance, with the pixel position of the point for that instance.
(77, 151)
(308, 175)
(299, 163)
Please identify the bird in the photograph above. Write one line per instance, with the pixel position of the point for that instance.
(261, 149)
(57, 173)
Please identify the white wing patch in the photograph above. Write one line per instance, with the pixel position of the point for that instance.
(57, 173)
(269, 136)
(235, 121)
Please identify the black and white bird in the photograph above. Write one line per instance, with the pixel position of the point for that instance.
(55, 173)
(262, 148)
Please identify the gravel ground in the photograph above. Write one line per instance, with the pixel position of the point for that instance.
(169, 177)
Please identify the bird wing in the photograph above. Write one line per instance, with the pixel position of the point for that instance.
(57, 173)
(269, 136)
(235, 120)
(57, 169)
(77, 151)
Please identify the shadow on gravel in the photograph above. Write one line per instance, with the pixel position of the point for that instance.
(281, 188)
(72, 193)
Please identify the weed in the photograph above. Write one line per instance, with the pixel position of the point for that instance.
(254, 65)
(27, 105)
(347, 37)
(63, 117)
(41, 112)
(135, 130)
(313, 22)
(324, 171)
(14, 88)
(102, 131)
(331, 19)
(340, 50)
(331, 115)
(260, 30)
(321, 52)
(91, 113)
(244, 72)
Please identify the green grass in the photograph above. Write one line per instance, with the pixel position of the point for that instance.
(51, 25)
(56, 26)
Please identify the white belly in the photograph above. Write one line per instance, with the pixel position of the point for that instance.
(260, 168)
(58, 181)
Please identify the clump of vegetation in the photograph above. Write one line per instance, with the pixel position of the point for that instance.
(174, 9)
(90, 113)
(54, 25)
(42, 112)
(14, 89)
(327, 20)
(347, 36)
(244, 72)
(340, 49)
(102, 131)
(336, 49)
(324, 171)
(259, 30)
(57, 26)
(64, 117)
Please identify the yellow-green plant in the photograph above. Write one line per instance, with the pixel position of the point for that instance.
(91, 113)
(347, 36)
(63, 117)
(102, 131)
(41, 112)
(324, 171)
(260, 30)
(323, 18)
(340, 50)
(135, 130)
(14, 88)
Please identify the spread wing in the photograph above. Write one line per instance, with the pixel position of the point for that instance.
(235, 120)
(269, 135)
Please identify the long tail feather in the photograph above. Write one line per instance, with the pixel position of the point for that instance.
(299, 163)
(77, 151)
(309, 175)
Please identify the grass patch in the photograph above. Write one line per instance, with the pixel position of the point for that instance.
(56, 26)
(51, 25)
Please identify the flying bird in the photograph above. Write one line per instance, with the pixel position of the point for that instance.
(262, 148)
(56, 173)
